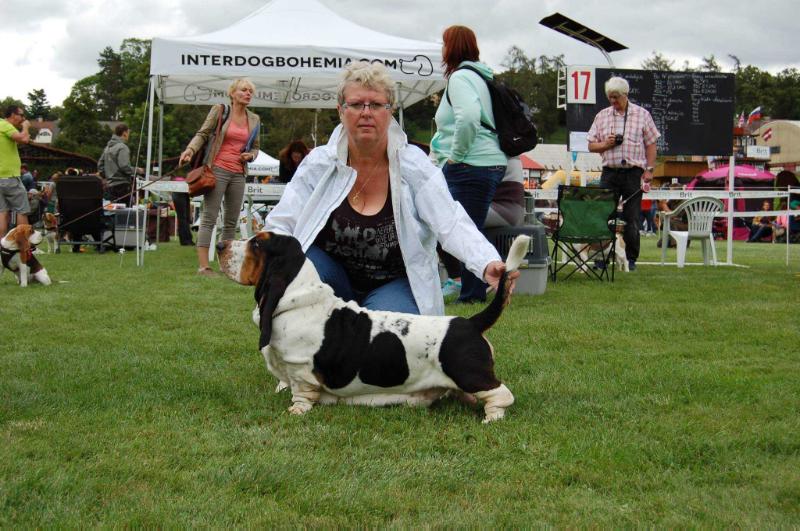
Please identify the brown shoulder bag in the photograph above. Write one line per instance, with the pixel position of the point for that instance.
(201, 178)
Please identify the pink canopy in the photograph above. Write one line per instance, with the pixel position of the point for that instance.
(740, 172)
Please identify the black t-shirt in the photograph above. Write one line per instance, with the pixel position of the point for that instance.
(366, 246)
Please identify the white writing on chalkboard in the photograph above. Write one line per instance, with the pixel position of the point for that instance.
(692, 110)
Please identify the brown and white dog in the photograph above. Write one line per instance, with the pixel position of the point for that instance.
(620, 258)
(16, 252)
(328, 350)
(50, 222)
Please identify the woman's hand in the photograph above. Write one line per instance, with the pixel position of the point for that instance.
(186, 156)
(493, 272)
(246, 156)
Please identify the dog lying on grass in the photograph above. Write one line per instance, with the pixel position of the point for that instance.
(16, 251)
(328, 350)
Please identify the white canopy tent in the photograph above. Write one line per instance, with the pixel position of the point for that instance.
(294, 52)
(263, 165)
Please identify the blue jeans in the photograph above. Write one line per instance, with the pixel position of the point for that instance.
(394, 296)
(473, 187)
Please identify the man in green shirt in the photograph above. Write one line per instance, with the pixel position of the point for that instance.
(13, 196)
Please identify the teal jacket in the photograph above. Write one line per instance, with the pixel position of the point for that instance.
(460, 136)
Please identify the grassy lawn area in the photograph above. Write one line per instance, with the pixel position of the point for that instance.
(137, 397)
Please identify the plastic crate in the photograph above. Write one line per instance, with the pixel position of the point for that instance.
(534, 270)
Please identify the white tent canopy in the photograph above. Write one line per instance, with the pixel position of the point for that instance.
(294, 52)
(263, 165)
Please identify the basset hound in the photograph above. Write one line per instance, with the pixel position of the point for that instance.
(16, 252)
(50, 222)
(331, 351)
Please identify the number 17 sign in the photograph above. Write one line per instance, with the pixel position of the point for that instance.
(580, 84)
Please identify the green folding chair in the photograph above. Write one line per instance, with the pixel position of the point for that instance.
(587, 218)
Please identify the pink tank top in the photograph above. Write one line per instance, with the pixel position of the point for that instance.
(228, 156)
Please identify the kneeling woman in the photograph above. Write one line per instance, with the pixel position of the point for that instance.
(368, 208)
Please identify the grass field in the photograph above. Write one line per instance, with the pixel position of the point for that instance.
(136, 397)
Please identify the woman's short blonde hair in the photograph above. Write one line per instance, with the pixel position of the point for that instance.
(617, 85)
(373, 76)
(239, 83)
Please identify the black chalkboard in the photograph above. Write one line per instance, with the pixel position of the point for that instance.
(693, 111)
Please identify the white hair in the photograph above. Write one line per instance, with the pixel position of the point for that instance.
(373, 76)
(617, 85)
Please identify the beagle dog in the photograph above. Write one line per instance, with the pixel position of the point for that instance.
(16, 252)
(329, 351)
(50, 222)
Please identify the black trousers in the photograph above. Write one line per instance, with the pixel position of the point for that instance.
(626, 182)
(120, 193)
(182, 212)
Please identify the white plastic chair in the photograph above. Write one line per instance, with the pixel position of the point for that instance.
(700, 214)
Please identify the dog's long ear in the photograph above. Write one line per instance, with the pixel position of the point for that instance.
(284, 258)
(21, 235)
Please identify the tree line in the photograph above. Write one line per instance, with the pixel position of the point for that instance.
(118, 92)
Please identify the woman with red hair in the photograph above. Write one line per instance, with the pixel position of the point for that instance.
(464, 147)
(290, 158)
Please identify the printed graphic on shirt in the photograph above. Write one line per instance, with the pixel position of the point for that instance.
(366, 246)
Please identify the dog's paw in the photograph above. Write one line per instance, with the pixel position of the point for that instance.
(281, 386)
(300, 408)
(495, 415)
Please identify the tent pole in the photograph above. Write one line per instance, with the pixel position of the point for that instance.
(731, 173)
(151, 98)
(160, 160)
(316, 115)
(399, 104)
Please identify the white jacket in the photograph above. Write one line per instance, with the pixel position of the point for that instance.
(424, 211)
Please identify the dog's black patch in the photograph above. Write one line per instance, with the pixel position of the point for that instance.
(466, 357)
(346, 352)
(385, 363)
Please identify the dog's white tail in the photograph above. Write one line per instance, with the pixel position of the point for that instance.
(517, 252)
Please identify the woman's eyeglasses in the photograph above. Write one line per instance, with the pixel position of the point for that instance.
(359, 106)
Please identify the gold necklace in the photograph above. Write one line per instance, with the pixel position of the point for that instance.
(355, 196)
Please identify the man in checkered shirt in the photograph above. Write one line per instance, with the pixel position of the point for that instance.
(625, 135)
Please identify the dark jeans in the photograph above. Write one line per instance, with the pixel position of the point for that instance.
(760, 231)
(473, 187)
(394, 296)
(626, 182)
(181, 202)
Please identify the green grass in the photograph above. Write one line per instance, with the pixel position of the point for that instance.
(136, 397)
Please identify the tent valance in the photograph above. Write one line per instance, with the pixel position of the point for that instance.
(263, 165)
(294, 52)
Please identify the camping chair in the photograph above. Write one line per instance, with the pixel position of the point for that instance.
(586, 231)
(80, 212)
(700, 213)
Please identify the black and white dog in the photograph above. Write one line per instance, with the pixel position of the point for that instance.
(328, 350)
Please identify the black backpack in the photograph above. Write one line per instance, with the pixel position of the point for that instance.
(512, 116)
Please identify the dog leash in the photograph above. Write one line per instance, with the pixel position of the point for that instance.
(641, 190)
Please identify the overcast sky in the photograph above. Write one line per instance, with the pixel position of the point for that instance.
(50, 44)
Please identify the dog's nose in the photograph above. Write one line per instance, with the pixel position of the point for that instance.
(221, 246)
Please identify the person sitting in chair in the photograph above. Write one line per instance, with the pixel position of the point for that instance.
(762, 225)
